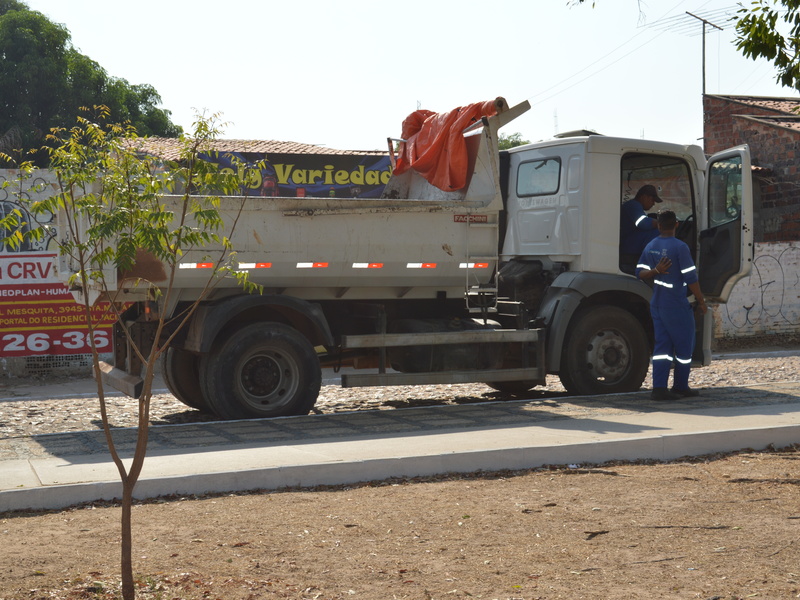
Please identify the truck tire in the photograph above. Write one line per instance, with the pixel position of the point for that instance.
(262, 370)
(181, 371)
(605, 352)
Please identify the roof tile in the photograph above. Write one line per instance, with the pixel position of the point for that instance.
(169, 148)
(782, 105)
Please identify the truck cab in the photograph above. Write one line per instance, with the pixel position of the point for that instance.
(563, 200)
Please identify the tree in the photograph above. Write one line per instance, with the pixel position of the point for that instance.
(138, 104)
(33, 67)
(117, 206)
(44, 82)
(759, 36)
(506, 142)
(7, 5)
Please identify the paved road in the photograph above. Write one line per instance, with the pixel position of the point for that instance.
(57, 470)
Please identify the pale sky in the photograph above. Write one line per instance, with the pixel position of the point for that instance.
(346, 73)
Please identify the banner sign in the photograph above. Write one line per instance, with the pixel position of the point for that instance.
(318, 175)
(38, 315)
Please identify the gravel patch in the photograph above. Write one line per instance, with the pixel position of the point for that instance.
(23, 417)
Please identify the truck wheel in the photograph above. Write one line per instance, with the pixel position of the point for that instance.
(605, 352)
(181, 372)
(262, 370)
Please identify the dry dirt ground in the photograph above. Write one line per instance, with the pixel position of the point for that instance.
(723, 527)
(719, 527)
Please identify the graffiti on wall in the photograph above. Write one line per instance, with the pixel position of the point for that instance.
(14, 189)
(768, 300)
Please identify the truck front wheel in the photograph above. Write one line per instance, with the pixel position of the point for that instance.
(262, 370)
(605, 352)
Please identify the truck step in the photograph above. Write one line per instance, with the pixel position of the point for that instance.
(485, 336)
(477, 310)
(510, 308)
(482, 299)
(383, 379)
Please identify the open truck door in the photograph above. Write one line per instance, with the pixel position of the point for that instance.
(725, 243)
(726, 237)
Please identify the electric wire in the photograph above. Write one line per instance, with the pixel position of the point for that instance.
(681, 23)
(541, 95)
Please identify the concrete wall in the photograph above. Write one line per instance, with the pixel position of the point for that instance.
(767, 302)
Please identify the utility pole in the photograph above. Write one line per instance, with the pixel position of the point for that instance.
(705, 23)
(686, 24)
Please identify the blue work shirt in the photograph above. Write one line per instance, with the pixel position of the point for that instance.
(635, 228)
(669, 289)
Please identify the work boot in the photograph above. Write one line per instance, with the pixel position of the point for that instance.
(662, 394)
(687, 393)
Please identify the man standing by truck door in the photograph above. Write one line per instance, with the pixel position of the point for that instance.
(636, 229)
(667, 261)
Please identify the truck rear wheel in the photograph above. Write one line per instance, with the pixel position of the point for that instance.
(605, 352)
(262, 370)
(181, 372)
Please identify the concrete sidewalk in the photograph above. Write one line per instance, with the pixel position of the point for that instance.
(58, 470)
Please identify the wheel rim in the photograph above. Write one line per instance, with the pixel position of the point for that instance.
(608, 356)
(268, 379)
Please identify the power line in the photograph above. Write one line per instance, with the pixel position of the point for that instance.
(687, 23)
(719, 18)
(543, 96)
(586, 68)
(597, 72)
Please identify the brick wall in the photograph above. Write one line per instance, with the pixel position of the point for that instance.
(767, 301)
(719, 131)
(777, 203)
(775, 150)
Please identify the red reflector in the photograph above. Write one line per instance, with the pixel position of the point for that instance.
(428, 265)
(205, 265)
(320, 265)
(263, 265)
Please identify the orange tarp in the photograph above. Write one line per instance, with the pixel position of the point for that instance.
(435, 146)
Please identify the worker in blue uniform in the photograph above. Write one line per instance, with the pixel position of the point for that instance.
(636, 229)
(667, 261)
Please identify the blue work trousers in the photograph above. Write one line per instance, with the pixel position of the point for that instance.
(674, 333)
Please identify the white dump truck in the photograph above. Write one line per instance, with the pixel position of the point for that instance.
(515, 276)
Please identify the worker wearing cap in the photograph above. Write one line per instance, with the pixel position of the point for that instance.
(667, 262)
(636, 229)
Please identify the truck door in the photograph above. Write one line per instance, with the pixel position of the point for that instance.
(726, 237)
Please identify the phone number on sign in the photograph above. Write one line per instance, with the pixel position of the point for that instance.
(53, 343)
